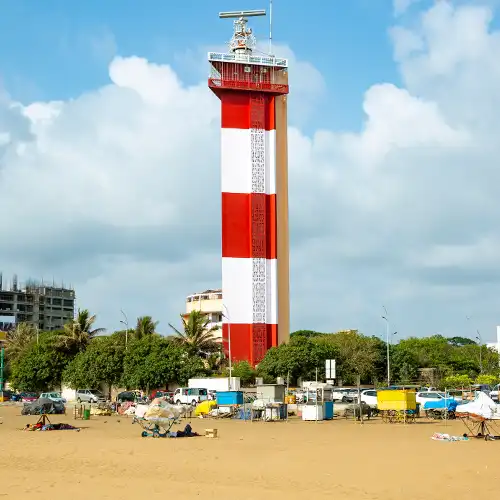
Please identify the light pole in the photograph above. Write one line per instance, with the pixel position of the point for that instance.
(387, 345)
(480, 351)
(227, 316)
(126, 327)
(478, 337)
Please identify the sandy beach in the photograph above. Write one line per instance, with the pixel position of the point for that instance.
(339, 459)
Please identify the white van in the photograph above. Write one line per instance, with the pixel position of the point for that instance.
(189, 396)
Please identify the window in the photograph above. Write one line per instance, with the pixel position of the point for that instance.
(433, 395)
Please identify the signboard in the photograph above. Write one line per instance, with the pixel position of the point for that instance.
(330, 369)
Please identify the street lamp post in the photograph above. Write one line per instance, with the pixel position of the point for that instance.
(480, 351)
(126, 327)
(227, 316)
(478, 337)
(388, 352)
(386, 318)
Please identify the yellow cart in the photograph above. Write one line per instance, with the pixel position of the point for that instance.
(397, 406)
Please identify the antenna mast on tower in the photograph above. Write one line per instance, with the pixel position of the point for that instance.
(270, 28)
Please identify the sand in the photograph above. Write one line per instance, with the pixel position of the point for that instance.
(307, 460)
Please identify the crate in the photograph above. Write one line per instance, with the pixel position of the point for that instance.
(211, 433)
(396, 400)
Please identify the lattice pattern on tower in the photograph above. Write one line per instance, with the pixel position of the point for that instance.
(259, 233)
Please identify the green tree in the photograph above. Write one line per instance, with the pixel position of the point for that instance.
(216, 362)
(357, 355)
(188, 366)
(102, 361)
(197, 336)
(460, 341)
(299, 358)
(78, 332)
(153, 362)
(305, 333)
(456, 382)
(244, 370)
(40, 367)
(404, 364)
(145, 326)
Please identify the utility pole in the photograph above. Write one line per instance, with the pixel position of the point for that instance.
(480, 351)
(125, 323)
(2, 357)
(387, 345)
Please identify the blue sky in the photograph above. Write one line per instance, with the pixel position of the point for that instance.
(59, 49)
(393, 160)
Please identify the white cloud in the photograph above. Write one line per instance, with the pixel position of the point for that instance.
(117, 191)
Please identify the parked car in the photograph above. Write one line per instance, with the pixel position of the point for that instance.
(190, 396)
(16, 396)
(494, 392)
(53, 396)
(160, 393)
(5, 396)
(339, 393)
(369, 396)
(424, 397)
(28, 397)
(351, 395)
(126, 396)
(89, 396)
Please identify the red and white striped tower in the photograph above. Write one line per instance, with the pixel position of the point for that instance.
(254, 164)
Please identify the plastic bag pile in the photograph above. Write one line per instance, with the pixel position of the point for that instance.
(161, 409)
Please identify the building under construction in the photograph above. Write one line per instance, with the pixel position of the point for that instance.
(45, 306)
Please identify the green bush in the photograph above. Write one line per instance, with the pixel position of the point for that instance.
(487, 379)
(456, 381)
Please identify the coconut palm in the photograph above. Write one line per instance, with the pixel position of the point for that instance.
(18, 339)
(78, 332)
(215, 362)
(145, 326)
(197, 335)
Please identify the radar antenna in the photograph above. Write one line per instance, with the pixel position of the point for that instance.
(243, 41)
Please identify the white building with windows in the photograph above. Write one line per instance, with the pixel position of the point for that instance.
(210, 303)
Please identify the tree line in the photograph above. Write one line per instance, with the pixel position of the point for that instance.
(83, 356)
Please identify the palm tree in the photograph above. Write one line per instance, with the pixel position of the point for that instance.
(18, 339)
(78, 332)
(197, 336)
(145, 326)
(215, 362)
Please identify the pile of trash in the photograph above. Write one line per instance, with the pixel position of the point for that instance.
(437, 436)
(102, 409)
(158, 409)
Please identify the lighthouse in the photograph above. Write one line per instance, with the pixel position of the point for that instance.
(253, 89)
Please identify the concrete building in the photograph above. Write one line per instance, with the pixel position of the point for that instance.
(210, 303)
(253, 89)
(48, 307)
